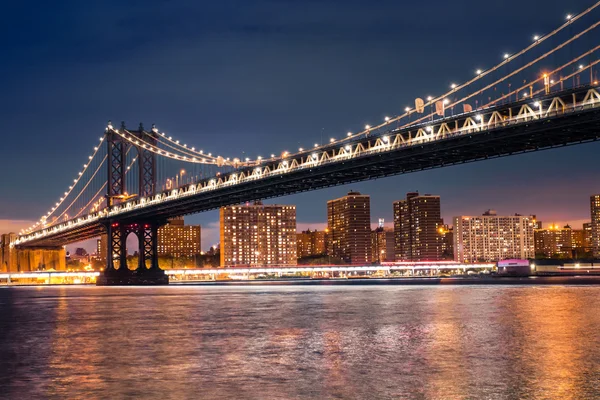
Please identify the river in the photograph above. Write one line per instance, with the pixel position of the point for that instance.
(292, 342)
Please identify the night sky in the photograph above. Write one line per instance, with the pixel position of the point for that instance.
(254, 77)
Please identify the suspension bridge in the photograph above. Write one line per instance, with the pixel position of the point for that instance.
(544, 96)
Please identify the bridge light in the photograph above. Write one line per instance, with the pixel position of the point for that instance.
(386, 139)
(478, 117)
(525, 94)
(316, 145)
(272, 155)
(170, 138)
(429, 98)
(367, 127)
(247, 159)
(428, 129)
(569, 16)
(210, 154)
(70, 187)
(506, 56)
(537, 104)
(349, 133)
(453, 86)
(580, 66)
(177, 141)
(348, 148)
(536, 38)
(387, 119)
(407, 109)
(551, 80)
(300, 149)
(201, 152)
(315, 156)
(478, 72)
(446, 101)
(95, 149)
(332, 140)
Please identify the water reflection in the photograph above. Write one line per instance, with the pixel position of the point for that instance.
(300, 342)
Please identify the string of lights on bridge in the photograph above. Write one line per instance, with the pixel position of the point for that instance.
(191, 155)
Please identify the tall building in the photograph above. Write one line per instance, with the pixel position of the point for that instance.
(349, 227)
(179, 240)
(554, 241)
(258, 234)
(417, 221)
(382, 245)
(447, 233)
(490, 238)
(595, 224)
(587, 236)
(310, 243)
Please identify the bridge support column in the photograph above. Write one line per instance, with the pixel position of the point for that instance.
(148, 271)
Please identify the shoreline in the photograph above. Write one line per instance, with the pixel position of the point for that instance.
(524, 281)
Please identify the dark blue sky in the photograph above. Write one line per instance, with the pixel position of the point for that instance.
(262, 76)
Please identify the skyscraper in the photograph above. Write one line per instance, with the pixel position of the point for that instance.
(382, 245)
(417, 221)
(348, 222)
(258, 234)
(595, 223)
(490, 237)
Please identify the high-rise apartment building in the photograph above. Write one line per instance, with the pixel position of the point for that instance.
(595, 224)
(490, 238)
(382, 245)
(587, 236)
(258, 235)
(554, 241)
(310, 243)
(349, 227)
(417, 221)
(179, 240)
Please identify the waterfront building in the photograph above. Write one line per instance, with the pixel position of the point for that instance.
(587, 236)
(554, 242)
(447, 233)
(382, 245)
(349, 227)
(490, 237)
(417, 220)
(310, 243)
(595, 224)
(258, 234)
(179, 240)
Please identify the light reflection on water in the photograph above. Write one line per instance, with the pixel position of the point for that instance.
(383, 342)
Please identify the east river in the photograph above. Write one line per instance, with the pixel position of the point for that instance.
(292, 342)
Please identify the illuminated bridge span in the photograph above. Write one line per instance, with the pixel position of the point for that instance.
(136, 179)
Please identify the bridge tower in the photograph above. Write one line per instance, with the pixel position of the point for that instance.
(144, 229)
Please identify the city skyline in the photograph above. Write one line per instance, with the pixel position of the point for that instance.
(545, 187)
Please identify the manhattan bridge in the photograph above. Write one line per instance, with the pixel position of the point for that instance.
(136, 178)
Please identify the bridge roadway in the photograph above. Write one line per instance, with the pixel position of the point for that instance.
(538, 122)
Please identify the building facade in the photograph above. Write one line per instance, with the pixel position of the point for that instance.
(349, 227)
(258, 235)
(179, 240)
(310, 243)
(587, 236)
(382, 245)
(490, 238)
(595, 224)
(417, 223)
(554, 242)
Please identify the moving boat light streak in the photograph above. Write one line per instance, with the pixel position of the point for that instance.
(519, 113)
